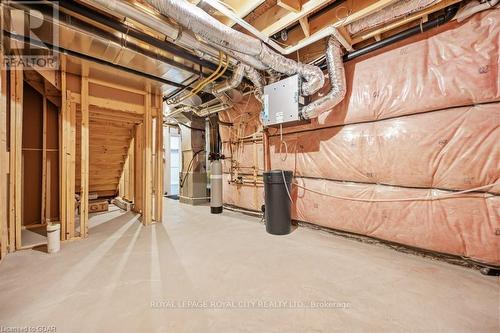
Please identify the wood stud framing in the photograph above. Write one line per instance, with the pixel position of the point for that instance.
(159, 163)
(4, 163)
(100, 139)
(84, 146)
(303, 18)
(15, 189)
(147, 182)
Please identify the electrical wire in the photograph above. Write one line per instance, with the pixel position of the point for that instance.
(286, 155)
(190, 165)
(441, 197)
(223, 63)
(215, 75)
(286, 186)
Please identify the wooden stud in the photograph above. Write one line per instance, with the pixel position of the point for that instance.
(139, 168)
(63, 113)
(159, 166)
(110, 104)
(291, 5)
(147, 183)
(338, 16)
(304, 23)
(273, 22)
(84, 146)
(71, 164)
(4, 162)
(15, 188)
(131, 163)
(44, 207)
(117, 86)
(347, 38)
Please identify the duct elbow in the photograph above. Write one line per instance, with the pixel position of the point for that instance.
(338, 88)
(256, 78)
(312, 75)
(232, 82)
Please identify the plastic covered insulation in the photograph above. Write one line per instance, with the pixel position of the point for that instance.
(201, 23)
(420, 119)
(389, 13)
(338, 88)
(474, 7)
(450, 149)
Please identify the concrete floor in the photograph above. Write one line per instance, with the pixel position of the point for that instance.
(130, 278)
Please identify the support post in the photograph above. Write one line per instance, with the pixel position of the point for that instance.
(44, 160)
(71, 164)
(139, 168)
(147, 184)
(159, 164)
(16, 136)
(84, 145)
(63, 114)
(4, 163)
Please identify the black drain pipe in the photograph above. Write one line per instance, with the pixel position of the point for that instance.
(440, 20)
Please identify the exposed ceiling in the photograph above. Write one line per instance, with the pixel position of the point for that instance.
(296, 20)
(287, 22)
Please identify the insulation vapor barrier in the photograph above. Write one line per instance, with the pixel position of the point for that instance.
(420, 119)
(448, 149)
(456, 67)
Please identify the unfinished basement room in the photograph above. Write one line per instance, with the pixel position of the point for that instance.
(250, 166)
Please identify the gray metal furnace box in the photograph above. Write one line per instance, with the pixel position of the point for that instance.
(281, 101)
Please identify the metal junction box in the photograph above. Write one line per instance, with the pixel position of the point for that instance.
(281, 101)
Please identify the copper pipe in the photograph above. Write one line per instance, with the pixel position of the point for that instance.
(267, 160)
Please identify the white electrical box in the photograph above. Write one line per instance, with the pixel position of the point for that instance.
(281, 101)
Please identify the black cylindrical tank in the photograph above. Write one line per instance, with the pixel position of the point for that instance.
(278, 209)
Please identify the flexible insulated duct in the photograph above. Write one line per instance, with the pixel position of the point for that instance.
(257, 81)
(232, 82)
(201, 23)
(338, 88)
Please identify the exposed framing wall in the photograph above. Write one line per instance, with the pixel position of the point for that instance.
(90, 111)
